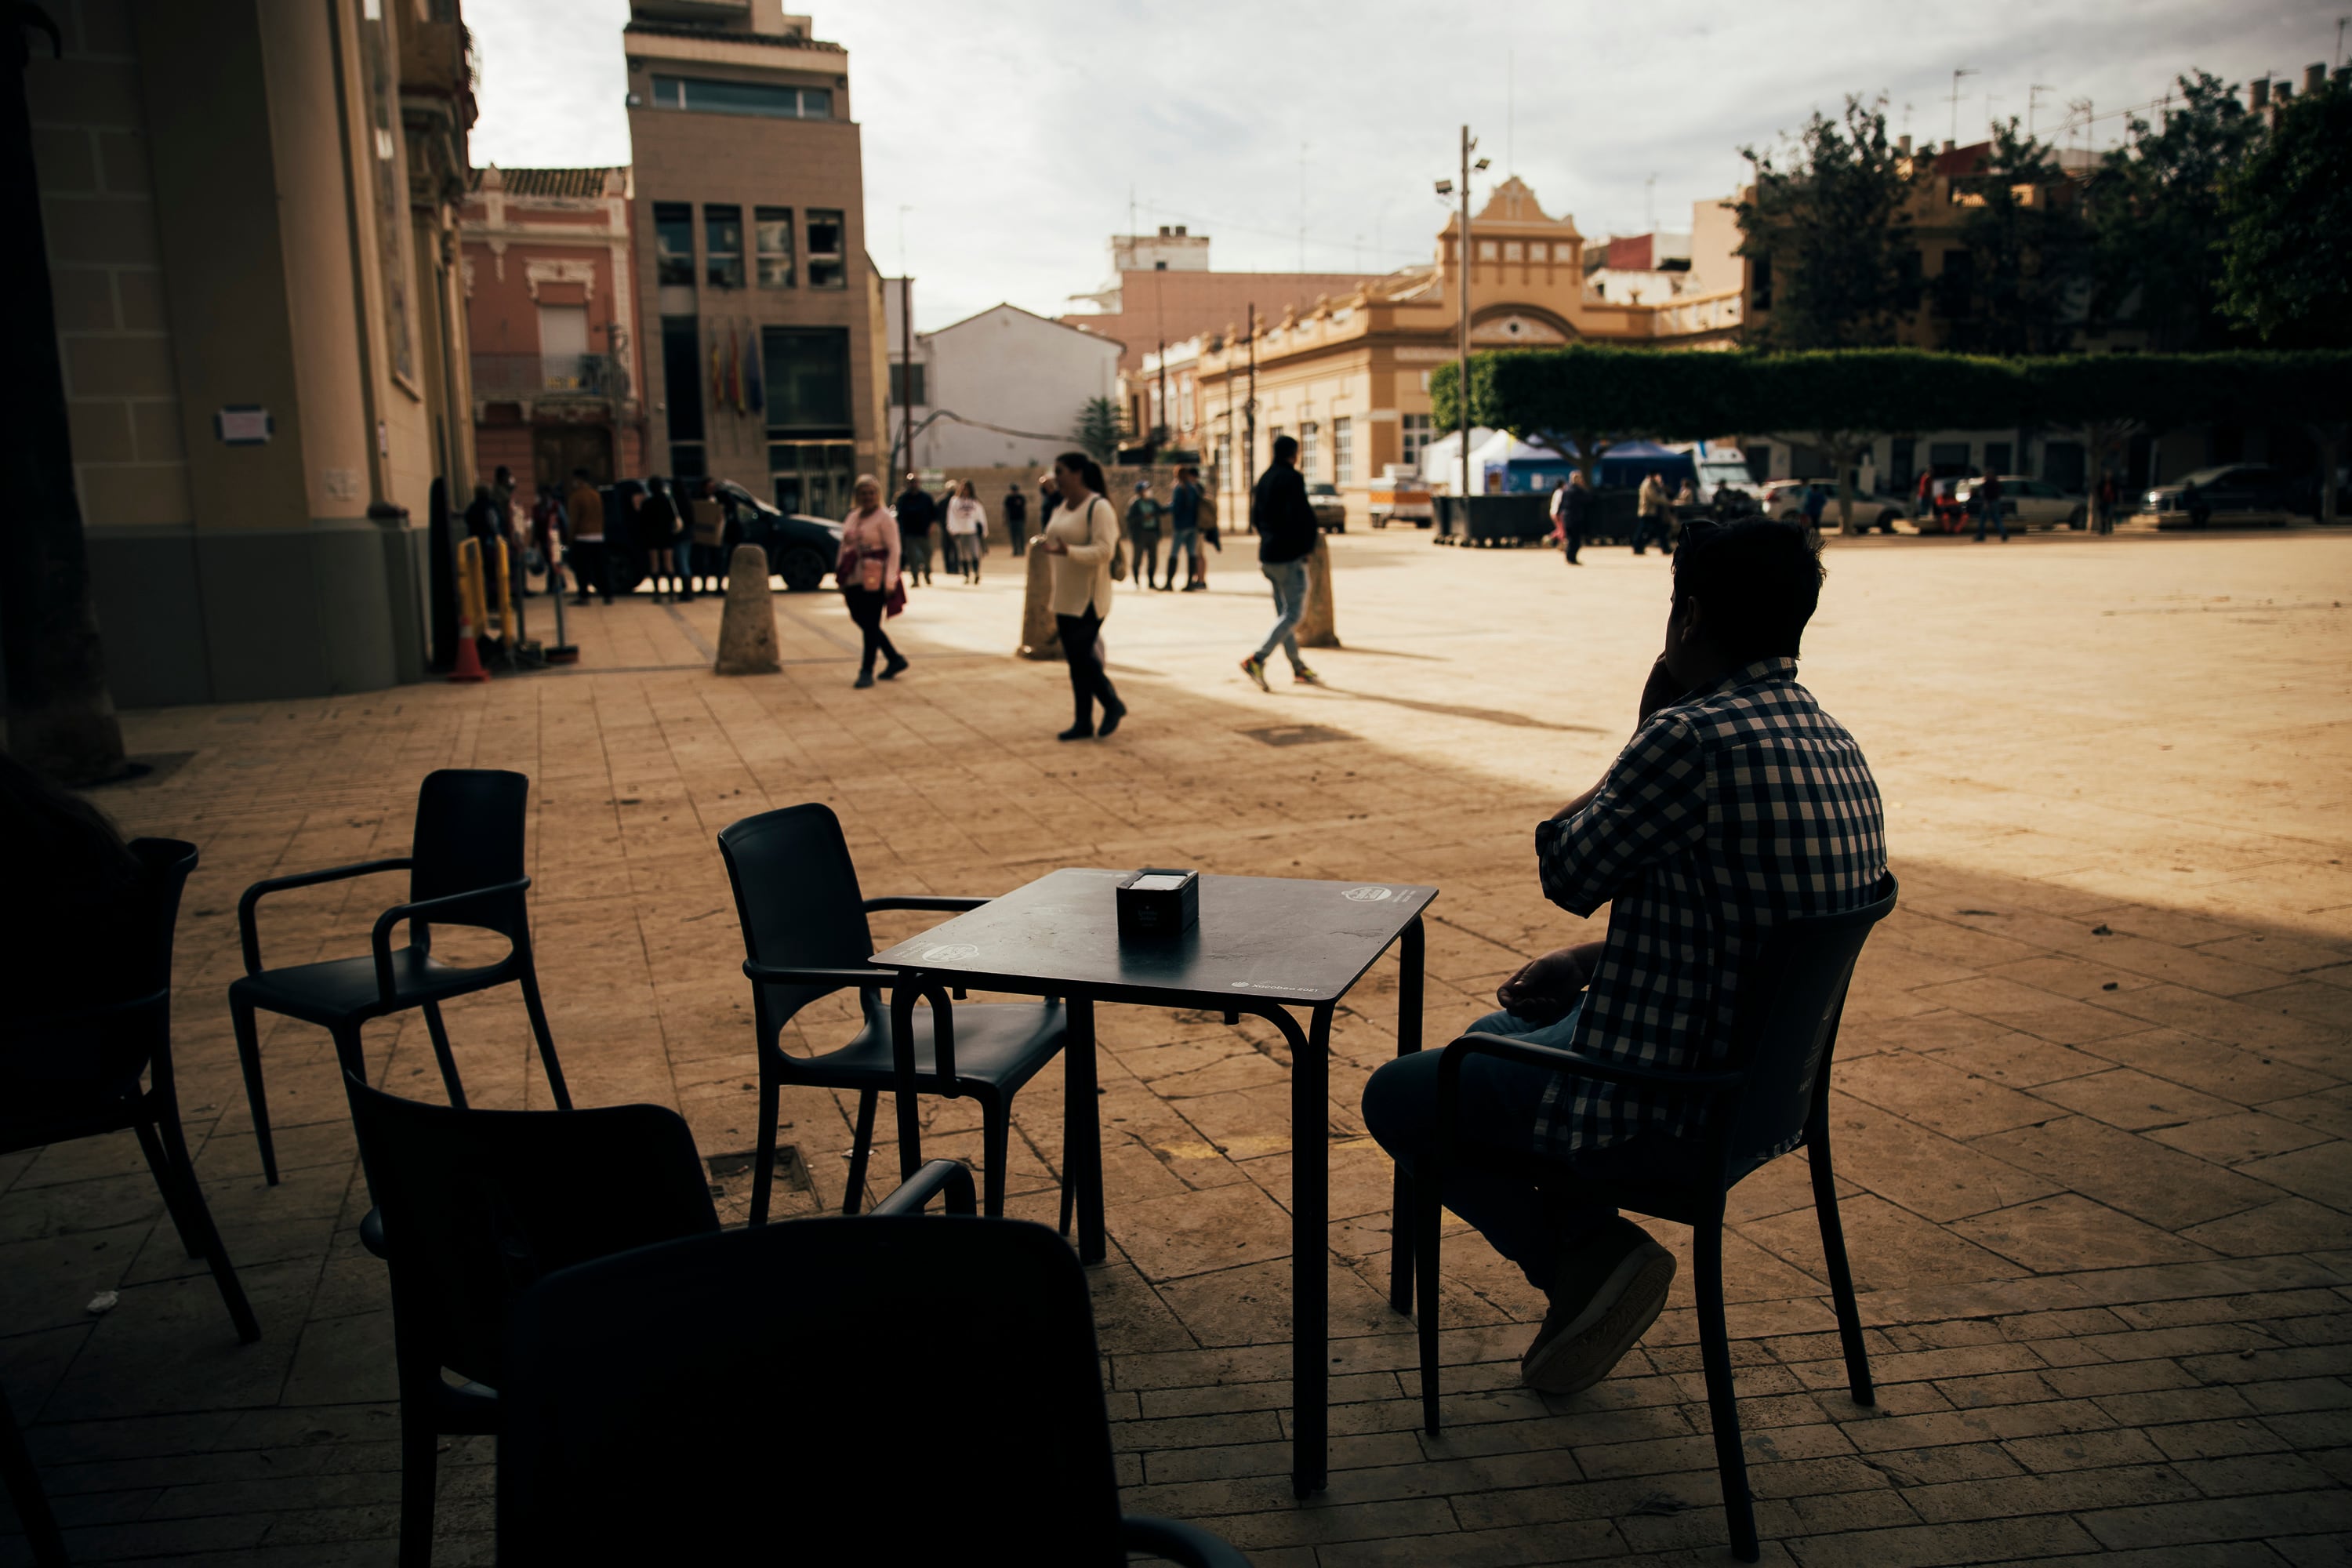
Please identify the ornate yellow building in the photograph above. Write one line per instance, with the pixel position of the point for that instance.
(1349, 377)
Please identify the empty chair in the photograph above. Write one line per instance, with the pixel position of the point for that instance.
(805, 935)
(466, 869)
(73, 1061)
(886, 1390)
(472, 1208)
(1773, 1093)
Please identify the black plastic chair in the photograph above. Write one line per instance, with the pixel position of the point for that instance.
(943, 1369)
(805, 933)
(1774, 1090)
(472, 1208)
(75, 1073)
(32, 1504)
(466, 869)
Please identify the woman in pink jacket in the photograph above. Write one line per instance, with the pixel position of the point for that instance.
(868, 574)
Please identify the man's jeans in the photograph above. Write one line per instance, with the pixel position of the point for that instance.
(1290, 580)
(1998, 516)
(1496, 1105)
(1183, 545)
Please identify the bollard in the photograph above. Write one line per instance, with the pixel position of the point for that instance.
(470, 613)
(747, 627)
(1316, 629)
(1039, 637)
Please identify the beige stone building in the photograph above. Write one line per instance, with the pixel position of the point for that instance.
(761, 311)
(250, 215)
(1350, 376)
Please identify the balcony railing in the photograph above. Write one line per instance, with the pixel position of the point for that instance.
(538, 377)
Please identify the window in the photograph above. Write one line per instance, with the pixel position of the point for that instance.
(1539, 251)
(808, 379)
(564, 348)
(828, 259)
(1416, 431)
(1343, 451)
(1513, 251)
(673, 245)
(772, 231)
(900, 397)
(1307, 433)
(1486, 250)
(1957, 283)
(722, 246)
(1184, 403)
(704, 95)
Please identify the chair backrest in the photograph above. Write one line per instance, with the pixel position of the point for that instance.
(477, 1205)
(796, 896)
(1785, 1027)
(878, 1390)
(469, 834)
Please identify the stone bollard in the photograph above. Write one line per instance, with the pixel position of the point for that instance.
(1039, 636)
(1317, 628)
(747, 629)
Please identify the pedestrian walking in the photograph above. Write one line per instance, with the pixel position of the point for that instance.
(702, 529)
(2110, 500)
(1286, 531)
(868, 572)
(1575, 515)
(1015, 510)
(545, 545)
(657, 531)
(1558, 511)
(916, 512)
(1652, 513)
(1143, 528)
(967, 524)
(1209, 537)
(1816, 501)
(1185, 530)
(1082, 536)
(585, 549)
(1986, 504)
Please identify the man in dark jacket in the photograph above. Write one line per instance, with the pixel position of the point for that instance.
(1286, 530)
(916, 512)
(1575, 514)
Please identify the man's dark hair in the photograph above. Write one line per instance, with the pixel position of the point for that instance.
(1285, 449)
(1758, 580)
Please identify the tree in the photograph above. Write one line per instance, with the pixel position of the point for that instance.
(1828, 225)
(2110, 399)
(2289, 208)
(2312, 389)
(1580, 400)
(61, 719)
(2156, 208)
(2029, 252)
(1102, 426)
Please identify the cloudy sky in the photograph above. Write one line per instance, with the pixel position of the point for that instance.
(1015, 134)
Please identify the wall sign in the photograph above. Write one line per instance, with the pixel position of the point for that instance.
(244, 424)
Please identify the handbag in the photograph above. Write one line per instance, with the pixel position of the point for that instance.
(1118, 549)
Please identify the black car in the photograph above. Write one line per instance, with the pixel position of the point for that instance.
(801, 550)
(2234, 491)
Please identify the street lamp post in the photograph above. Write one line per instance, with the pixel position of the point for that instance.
(1462, 255)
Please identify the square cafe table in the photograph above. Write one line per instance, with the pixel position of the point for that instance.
(1263, 945)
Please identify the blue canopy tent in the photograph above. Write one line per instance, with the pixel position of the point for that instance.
(1628, 463)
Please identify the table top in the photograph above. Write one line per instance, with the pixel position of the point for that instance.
(1280, 939)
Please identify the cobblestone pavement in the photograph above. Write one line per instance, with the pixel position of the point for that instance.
(2091, 1100)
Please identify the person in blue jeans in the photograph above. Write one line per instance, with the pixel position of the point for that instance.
(1987, 502)
(1285, 520)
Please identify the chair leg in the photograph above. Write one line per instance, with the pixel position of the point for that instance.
(763, 1157)
(159, 1162)
(419, 1478)
(1400, 1242)
(1849, 1317)
(1427, 1215)
(24, 1483)
(995, 1140)
(861, 1148)
(178, 1169)
(433, 1027)
(538, 1011)
(1722, 1403)
(1069, 1196)
(248, 1057)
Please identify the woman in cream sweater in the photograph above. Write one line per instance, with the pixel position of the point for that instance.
(1082, 536)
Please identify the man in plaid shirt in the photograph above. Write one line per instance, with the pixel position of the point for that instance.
(1737, 803)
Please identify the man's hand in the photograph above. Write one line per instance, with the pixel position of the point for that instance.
(1546, 988)
(1661, 690)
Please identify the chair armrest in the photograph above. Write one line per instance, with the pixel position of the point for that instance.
(428, 911)
(250, 935)
(831, 979)
(1449, 1075)
(1172, 1542)
(952, 1177)
(925, 902)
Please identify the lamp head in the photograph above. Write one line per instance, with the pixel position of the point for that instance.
(1479, 167)
(1444, 187)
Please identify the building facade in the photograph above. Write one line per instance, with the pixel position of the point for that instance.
(1003, 388)
(761, 312)
(551, 313)
(250, 215)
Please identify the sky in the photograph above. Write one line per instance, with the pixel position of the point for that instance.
(1004, 142)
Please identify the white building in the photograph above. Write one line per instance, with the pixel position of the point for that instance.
(1003, 388)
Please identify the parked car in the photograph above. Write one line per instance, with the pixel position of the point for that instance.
(2236, 491)
(2029, 503)
(801, 550)
(1330, 512)
(1402, 500)
(1785, 499)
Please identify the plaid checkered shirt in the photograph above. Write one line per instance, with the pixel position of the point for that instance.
(1737, 808)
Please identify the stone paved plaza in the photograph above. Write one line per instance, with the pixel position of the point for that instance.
(2091, 1097)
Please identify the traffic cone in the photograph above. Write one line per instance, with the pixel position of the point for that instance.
(469, 661)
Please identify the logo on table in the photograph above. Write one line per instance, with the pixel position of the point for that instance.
(948, 952)
(1369, 895)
